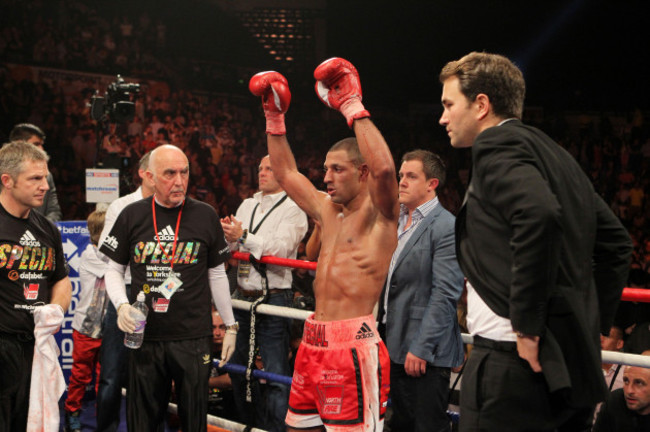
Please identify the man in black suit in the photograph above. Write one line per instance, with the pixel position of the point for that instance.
(545, 257)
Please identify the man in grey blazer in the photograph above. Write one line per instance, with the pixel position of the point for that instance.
(423, 285)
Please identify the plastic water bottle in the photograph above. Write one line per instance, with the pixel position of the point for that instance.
(134, 340)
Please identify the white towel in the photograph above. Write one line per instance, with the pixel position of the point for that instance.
(48, 383)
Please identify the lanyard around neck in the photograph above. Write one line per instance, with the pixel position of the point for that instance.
(155, 227)
(250, 225)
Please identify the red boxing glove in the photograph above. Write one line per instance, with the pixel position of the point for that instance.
(273, 88)
(338, 86)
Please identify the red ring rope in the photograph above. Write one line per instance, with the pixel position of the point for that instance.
(286, 262)
(636, 294)
(629, 294)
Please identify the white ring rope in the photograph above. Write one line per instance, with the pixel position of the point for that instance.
(608, 356)
(287, 312)
(281, 311)
(218, 421)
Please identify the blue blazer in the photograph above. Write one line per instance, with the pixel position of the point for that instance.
(424, 288)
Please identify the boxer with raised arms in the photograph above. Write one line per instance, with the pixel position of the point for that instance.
(341, 378)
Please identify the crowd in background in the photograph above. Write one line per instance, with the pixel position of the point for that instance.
(76, 35)
(223, 134)
(224, 139)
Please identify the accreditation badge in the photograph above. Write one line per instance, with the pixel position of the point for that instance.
(244, 269)
(170, 286)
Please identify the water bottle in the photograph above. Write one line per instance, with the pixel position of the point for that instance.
(139, 314)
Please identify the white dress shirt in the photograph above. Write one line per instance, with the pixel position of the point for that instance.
(279, 236)
(483, 322)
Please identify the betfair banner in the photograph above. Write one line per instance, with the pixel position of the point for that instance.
(75, 237)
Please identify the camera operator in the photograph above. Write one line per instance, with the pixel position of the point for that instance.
(117, 108)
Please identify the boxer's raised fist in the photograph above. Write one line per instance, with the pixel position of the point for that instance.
(273, 88)
(338, 86)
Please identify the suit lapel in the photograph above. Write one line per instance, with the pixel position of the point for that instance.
(421, 229)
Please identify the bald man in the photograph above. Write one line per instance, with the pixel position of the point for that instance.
(175, 249)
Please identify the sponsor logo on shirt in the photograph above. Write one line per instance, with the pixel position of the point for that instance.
(166, 234)
(111, 243)
(31, 291)
(27, 276)
(160, 304)
(31, 307)
(28, 239)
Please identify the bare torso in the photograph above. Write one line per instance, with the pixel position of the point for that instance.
(353, 262)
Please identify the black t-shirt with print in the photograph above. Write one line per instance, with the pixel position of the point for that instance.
(31, 261)
(200, 245)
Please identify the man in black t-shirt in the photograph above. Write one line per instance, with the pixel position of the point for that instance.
(33, 274)
(627, 409)
(50, 207)
(176, 250)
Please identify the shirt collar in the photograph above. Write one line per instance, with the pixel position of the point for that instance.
(272, 198)
(421, 211)
(507, 120)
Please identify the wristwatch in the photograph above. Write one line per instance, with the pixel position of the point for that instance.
(234, 327)
(523, 335)
(241, 240)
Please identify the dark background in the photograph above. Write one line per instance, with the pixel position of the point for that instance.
(575, 54)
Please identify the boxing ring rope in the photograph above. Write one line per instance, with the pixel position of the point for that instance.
(608, 356)
(285, 262)
(629, 294)
(636, 295)
(219, 422)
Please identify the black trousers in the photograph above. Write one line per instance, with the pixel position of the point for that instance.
(500, 392)
(16, 357)
(152, 368)
(419, 404)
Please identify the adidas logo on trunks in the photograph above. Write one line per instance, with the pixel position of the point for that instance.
(365, 332)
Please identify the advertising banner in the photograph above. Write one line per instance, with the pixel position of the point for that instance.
(75, 238)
